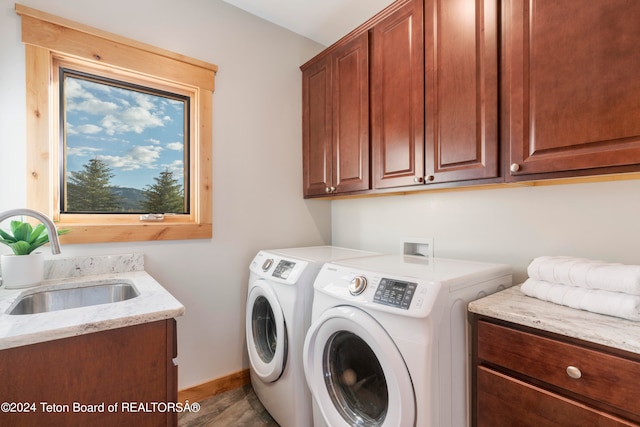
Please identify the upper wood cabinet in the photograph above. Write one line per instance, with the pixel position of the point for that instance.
(335, 97)
(434, 93)
(434, 75)
(397, 97)
(461, 90)
(433, 100)
(559, 98)
(571, 92)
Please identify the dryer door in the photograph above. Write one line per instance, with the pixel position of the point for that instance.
(266, 332)
(356, 374)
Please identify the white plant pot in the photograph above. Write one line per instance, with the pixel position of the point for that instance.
(22, 271)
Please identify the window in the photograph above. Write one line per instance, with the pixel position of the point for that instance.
(116, 129)
(116, 139)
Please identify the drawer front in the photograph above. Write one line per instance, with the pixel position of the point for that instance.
(506, 402)
(602, 377)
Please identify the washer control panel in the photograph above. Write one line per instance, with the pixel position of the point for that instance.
(395, 293)
(404, 295)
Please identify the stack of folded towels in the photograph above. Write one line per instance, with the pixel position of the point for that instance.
(596, 286)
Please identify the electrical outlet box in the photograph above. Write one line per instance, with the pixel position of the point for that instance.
(418, 246)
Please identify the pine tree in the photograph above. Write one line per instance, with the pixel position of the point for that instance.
(89, 190)
(165, 196)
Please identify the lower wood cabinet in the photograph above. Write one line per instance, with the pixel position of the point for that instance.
(118, 377)
(506, 401)
(527, 378)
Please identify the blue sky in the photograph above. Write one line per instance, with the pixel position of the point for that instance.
(137, 134)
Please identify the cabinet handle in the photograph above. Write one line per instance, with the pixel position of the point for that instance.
(514, 167)
(417, 179)
(429, 178)
(327, 190)
(574, 372)
(333, 189)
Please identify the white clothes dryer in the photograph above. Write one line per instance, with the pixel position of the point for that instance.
(388, 343)
(278, 313)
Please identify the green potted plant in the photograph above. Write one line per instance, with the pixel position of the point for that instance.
(24, 267)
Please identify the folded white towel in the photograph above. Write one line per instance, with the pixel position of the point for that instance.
(595, 300)
(586, 273)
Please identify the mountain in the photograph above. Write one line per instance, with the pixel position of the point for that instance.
(132, 198)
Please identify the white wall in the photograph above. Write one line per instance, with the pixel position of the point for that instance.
(507, 225)
(256, 158)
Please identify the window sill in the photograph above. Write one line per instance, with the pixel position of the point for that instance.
(99, 233)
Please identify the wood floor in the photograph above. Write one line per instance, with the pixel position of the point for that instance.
(236, 408)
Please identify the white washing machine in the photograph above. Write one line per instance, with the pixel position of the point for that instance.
(278, 314)
(388, 343)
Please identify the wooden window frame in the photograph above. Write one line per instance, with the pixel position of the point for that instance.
(50, 40)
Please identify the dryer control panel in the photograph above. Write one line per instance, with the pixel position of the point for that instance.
(277, 269)
(283, 269)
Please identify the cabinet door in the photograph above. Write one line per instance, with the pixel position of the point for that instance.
(121, 372)
(570, 83)
(351, 116)
(397, 97)
(335, 116)
(461, 90)
(316, 127)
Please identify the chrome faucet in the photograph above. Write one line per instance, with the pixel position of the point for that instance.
(51, 227)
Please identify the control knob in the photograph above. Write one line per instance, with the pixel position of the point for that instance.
(358, 285)
(267, 264)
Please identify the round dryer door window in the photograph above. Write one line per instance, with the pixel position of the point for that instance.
(356, 373)
(266, 332)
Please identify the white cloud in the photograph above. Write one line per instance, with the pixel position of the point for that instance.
(139, 157)
(88, 129)
(78, 98)
(74, 89)
(143, 100)
(82, 151)
(119, 110)
(175, 146)
(134, 119)
(92, 106)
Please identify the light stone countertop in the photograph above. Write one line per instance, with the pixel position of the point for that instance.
(152, 304)
(513, 306)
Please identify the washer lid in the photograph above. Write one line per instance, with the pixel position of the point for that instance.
(355, 372)
(266, 332)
